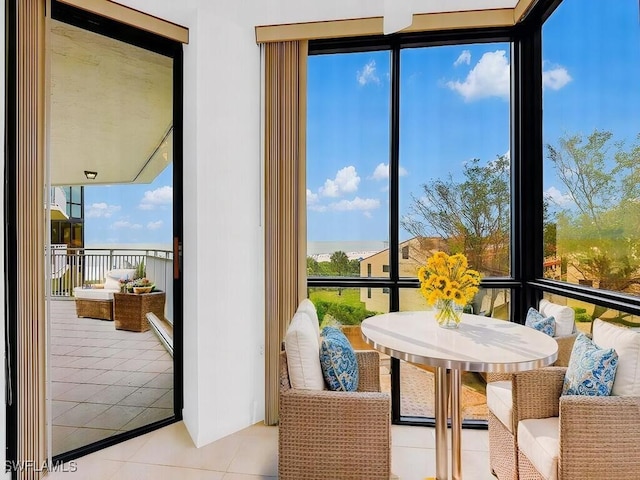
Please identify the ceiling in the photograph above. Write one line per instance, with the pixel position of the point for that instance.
(110, 110)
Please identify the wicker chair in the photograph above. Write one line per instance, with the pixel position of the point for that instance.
(503, 445)
(599, 437)
(326, 434)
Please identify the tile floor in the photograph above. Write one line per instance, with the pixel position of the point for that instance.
(104, 381)
(252, 454)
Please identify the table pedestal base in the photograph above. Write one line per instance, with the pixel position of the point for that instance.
(445, 384)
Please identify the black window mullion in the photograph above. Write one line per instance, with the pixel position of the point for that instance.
(394, 214)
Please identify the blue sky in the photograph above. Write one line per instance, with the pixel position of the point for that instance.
(130, 214)
(455, 107)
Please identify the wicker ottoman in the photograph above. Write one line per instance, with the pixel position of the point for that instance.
(130, 309)
(94, 303)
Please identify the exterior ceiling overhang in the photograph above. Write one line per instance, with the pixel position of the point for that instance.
(111, 109)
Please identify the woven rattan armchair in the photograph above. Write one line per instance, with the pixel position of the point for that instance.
(503, 444)
(335, 435)
(599, 437)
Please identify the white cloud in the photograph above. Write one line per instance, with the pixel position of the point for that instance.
(125, 224)
(557, 197)
(464, 58)
(155, 225)
(154, 198)
(101, 210)
(382, 172)
(368, 74)
(318, 208)
(490, 77)
(312, 198)
(346, 181)
(355, 204)
(555, 78)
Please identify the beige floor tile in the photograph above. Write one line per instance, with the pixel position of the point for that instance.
(147, 416)
(141, 471)
(144, 397)
(409, 463)
(116, 417)
(407, 436)
(81, 414)
(86, 468)
(173, 446)
(256, 456)
(112, 394)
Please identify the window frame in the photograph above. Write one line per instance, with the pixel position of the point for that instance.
(526, 283)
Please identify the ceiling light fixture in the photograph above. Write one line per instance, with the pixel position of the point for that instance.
(90, 175)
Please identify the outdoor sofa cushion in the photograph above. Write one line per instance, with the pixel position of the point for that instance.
(626, 343)
(563, 315)
(538, 439)
(303, 354)
(499, 401)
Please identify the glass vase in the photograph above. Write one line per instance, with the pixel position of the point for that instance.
(448, 313)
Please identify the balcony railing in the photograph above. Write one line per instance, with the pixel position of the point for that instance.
(74, 267)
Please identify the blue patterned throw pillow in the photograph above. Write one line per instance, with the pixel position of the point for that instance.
(591, 369)
(338, 360)
(541, 323)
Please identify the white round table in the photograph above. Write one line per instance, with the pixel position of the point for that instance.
(479, 344)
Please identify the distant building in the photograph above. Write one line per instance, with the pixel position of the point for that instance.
(412, 254)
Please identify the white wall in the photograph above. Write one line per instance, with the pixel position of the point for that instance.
(223, 244)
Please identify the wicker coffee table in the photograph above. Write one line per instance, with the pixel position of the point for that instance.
(130, 309)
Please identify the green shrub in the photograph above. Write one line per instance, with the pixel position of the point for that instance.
(344, 314)
(581, 315)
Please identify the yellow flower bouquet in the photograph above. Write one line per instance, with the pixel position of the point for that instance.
(447, 282)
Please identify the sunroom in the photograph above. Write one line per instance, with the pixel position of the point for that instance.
(324, 152)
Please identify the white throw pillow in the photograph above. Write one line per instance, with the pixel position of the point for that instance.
(626, 343)
(563, 315)
(309, 308)
(122, 273)
(303, 354)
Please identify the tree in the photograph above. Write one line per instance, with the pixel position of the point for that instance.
(472, 215)
(339, 263)
(599, 232)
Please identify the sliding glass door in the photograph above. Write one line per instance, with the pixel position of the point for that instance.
(112, 164)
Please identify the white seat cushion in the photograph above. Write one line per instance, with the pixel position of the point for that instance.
(500, 402)
(563, 315)
(93, 293)
(538, 439)
(303, 354)
(626, 343)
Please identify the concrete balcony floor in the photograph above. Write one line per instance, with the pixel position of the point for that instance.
(103, 381)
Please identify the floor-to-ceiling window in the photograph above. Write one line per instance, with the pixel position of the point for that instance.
(591, 148)
(408, 153)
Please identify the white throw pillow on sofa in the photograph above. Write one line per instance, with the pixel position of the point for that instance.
(626, 343)
(563, 315)
(112, 280)
(309, 308)
(303, 354)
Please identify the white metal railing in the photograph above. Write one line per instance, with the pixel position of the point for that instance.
(74, 267)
